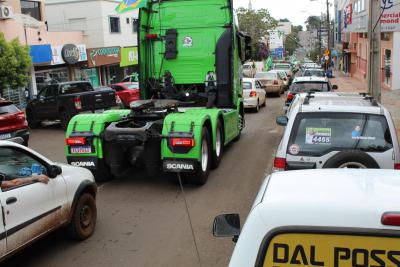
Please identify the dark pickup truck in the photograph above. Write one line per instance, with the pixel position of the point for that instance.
(62, 101)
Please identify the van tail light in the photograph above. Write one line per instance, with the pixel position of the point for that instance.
(182, 142)
(253, 94)
(391, 219)
(75, 141)
(279, 164)
(290, 96)
(397, 166)
(276, 82)
(78, 103)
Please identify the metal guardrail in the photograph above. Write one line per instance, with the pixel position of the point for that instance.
(17, 96)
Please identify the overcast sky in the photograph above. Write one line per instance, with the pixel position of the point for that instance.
(296, 11)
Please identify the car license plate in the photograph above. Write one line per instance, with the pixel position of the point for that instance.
(5, 136)
(344, 250)
(81, 150)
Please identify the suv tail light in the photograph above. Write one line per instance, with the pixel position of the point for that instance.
(253, 94)
(391, 219)
(75, 141)
(397, 166)
(182, 142)
(78, 103)
(276, 82)
(279, 164)
(290, 96)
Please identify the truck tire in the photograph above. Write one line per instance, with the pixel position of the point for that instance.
(102, 174)
(64, 119)
(83, 220)
(352, 159)
(152, 159)
(219, 146)
(33, 123)
(200, 177)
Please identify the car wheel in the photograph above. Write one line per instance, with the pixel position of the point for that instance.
(84, 217)
(219, 146)
(200, 177)
(351, 159)
(265, 102)
(64, 119)
(257, 108)
(33, 123)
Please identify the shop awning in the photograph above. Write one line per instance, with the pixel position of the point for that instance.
(40, 53)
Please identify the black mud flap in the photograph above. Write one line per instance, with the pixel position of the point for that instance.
(180, 165)
(90, 163)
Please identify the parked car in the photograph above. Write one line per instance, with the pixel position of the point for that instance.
(337, 130)
(254, 94)
(13, 125)
(130, 79)
(33, 209)
(329, 218)
(313, 72)
(308, 84)
(249, 70)
(283, 66)
(126, 93)
(272, 81)
(62, 101)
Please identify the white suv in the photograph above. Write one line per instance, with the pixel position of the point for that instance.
(337, 130)
(32, 208)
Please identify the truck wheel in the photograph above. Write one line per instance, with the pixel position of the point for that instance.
(33, 123)
(64, 119)
(219, 146)
(351, 159)
(200, 177)
(102, 173)
(84, 216)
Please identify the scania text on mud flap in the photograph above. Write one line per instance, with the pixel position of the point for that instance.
(191, 92)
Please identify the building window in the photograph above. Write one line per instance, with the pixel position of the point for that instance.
(115, 25)
(135, 24)
(31, 8)
(385, 36)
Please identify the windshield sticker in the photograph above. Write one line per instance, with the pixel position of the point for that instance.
(318, 136)
(357, 132)
(294, 149)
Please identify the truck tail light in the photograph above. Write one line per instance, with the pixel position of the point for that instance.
(151, 36)
(290, 96)
(276, 82)
(391, 219)
(75, 141)
(397, 166)
(279, 164)
(78, 103)
(182, 142)
(253, 94)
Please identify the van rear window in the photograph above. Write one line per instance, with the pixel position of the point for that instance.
(316, 134)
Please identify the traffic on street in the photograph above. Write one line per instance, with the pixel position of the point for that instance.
(199, 133)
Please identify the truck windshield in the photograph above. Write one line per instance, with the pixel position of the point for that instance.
(320, 133)
(302, 87)
(75, 88)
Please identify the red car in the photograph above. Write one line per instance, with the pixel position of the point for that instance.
(13, 124)
(126, 93)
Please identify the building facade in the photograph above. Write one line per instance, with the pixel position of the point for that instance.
(110, 38)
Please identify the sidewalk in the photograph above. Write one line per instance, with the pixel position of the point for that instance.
(390, 99)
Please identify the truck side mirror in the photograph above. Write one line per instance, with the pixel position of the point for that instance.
(227, 225)
(282, 120)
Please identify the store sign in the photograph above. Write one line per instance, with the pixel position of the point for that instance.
(69, 52)
(129, 56)
(390, 20)
(104, 56)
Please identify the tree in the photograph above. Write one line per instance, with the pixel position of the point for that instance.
(292, 40)
(313, 22)
(15, 63)
(256, 23)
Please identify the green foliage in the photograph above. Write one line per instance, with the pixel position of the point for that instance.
(292, 40)
(256, 23)
(313, 22)
(15, 63)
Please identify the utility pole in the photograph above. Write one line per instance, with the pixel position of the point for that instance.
(374, 48)
(328, 26)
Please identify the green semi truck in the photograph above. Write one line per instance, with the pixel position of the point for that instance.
(190, 58)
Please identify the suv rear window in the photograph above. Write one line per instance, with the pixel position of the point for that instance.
(316, 134)
(301, 87)
(317, 73)
(8, 108)
(75, 88)
(282, 67)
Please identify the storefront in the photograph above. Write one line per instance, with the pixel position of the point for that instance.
(105, 62)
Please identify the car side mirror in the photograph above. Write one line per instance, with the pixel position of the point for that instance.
(227, 225)
(282, 120)
(54, 171)
(335, 87)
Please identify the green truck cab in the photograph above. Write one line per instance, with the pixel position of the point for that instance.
(190, 58)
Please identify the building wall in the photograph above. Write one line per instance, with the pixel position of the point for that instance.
(396, 62)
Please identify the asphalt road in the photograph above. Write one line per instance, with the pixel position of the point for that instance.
(143, 222)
